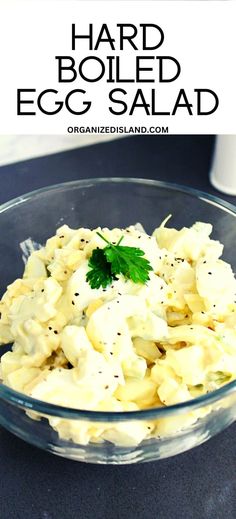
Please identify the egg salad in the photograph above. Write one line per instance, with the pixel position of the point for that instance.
(125, 346)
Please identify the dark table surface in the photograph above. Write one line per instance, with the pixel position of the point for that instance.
(199, 484)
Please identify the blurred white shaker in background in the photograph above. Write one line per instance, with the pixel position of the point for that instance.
(223, 169)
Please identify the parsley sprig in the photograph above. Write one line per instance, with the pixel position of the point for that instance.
(105, 264)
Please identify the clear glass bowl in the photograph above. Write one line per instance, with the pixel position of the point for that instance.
(116, 202)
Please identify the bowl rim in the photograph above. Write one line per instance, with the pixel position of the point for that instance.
(89, 182)
(26, 402)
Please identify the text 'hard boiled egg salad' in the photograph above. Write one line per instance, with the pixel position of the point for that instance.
(129, 340)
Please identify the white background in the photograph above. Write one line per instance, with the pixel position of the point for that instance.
(200, 35)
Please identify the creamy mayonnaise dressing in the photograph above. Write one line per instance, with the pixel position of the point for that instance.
(128, 346)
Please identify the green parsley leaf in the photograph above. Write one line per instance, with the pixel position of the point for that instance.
(128, 261)
(100, 273)
(117, 259)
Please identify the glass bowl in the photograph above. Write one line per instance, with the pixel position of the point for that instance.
(116, 202)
